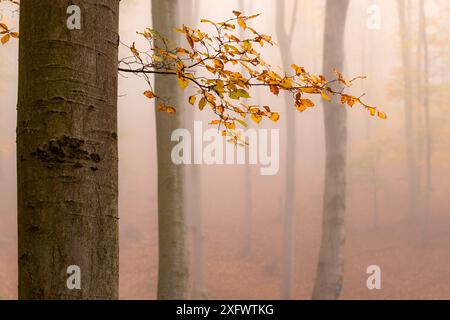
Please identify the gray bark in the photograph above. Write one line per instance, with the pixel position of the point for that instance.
(173, 270)
(67, 164)
(330, 269)
(426, 103)
(285, 38)
(410, 134)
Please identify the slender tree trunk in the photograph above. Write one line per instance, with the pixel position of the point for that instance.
(285, 38)
(330, 269)
(67, 150)
(173, 272)
(409, 125)
(426, 104)
(247, 225)
(194, 191)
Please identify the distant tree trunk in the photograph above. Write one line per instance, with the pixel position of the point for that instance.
(173, 270)
(330, 269)
(285, 39)
(426, 104)
(194, 191)
(67, 163)
(248, 190)
(409, 125)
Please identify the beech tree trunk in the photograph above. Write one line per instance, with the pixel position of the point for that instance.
(285, 38)
(67, 164)
(410, 133)
(426, 105)
(173, 272)
(330, 267)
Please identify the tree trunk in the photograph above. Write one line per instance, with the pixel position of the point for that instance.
(330, 267)
(426, 104)
(67, 150)
(285, 38)
(409, 125)
(173, 272)
(194, 190)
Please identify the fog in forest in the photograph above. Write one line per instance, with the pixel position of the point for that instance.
(254, 236)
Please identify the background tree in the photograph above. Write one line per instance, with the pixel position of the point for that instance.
(285, 38)
(67, 151)
(173, 270)
(410, 130)
(330, 268)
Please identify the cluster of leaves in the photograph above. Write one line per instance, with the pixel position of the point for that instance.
(212, 64)
(6, 33)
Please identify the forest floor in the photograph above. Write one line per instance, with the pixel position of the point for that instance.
(414, 257)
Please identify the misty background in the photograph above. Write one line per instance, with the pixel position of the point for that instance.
(242, 227)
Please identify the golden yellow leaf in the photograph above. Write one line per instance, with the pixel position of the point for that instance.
(237, 13)
(275, 117)
(256, 117)
(4, 26)
(218, 64)
(5, 38)
(149, 94)
(242, 122)
(202, 103)
(373, 111)
(183, 82)
(325, 96)
(171, 110)
(192, 100)
(307, 103)
(14, 34)
(242, 23)
(382, 115)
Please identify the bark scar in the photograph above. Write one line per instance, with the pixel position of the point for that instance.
(66, 150)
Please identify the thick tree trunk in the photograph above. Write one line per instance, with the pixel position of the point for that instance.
(330, 267)
(173, 272)
(67, 150)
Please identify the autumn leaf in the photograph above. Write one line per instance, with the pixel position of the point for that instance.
(275, 117)
(171, 110)
(237, 13)
(4, 26)
(256, 117)
(242, 23)
(5, 38)
(382, 115)
(183, 82)
(192, 100)
(325, 96)
(372, 110)
(149, 94)
(202, 103)
(243, 94)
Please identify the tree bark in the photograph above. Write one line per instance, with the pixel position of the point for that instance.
(410, 134)
(330, 269)
(285, 38)
(173, 272)
(426, 104)
(67, 162)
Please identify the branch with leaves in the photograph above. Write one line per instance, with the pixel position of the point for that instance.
(5, 32)
(211, 63)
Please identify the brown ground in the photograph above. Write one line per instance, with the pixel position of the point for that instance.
(415, 261)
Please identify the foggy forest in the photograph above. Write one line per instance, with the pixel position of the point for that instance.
(230, 150)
